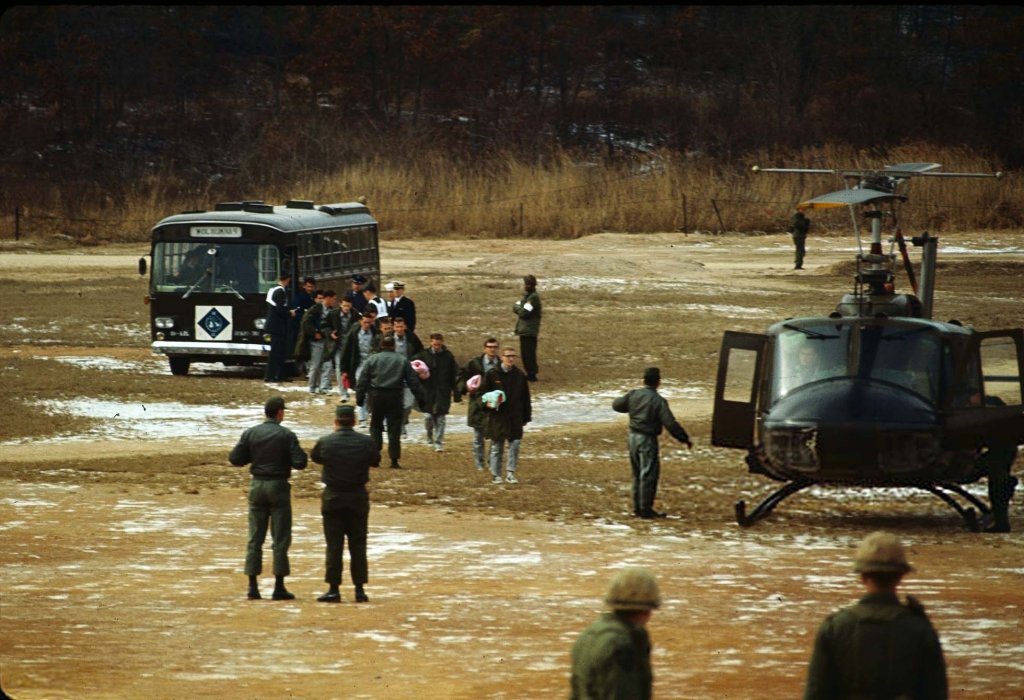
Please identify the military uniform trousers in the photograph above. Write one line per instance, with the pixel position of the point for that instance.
(345, 515)
(528, 349)
(270, 502)
(799, 242)
(386, 406)
(646, 464)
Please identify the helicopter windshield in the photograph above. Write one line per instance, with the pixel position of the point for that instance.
(911, 357)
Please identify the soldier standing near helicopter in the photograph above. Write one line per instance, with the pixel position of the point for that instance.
(799, 228)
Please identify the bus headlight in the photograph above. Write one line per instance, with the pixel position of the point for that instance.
(259, 323)
(159, 335)
(267, 339)
(163, 322)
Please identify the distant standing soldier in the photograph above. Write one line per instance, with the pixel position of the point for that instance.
(273, 450)
(880, 647)
(528, 311)
(799, 228)
(648, 414)
(612, 658)
(344, 504)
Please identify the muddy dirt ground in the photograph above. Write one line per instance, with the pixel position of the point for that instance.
(123, 526)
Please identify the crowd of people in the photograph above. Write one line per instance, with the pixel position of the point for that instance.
(366, 348)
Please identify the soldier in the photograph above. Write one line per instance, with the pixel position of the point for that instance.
(344, 504)
(880, 647)
(648, 413)
(476, 417)
(799, 228)
(528, 311)
(384, 377)
(273, 451)
(612, 658)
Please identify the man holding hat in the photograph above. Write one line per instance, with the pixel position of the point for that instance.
(273, 450)
(612, 658)
(648, 414)
(346, 457)
(880, 647)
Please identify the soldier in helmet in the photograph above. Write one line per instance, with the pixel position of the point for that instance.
(880, 647)
(612, 658)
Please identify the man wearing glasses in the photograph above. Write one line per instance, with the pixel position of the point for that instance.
(506, 419)
(476, 417)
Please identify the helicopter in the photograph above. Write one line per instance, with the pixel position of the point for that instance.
(876, 393)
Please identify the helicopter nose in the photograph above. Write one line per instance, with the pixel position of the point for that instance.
(852, 431)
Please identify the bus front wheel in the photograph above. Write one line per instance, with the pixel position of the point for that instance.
(179, 365)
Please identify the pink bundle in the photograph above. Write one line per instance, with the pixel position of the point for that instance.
(421, 369)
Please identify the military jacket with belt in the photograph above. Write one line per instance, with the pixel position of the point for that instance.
(346, 457)
(273, 450)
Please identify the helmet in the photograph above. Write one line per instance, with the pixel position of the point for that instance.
(633, 589)
(880, 552)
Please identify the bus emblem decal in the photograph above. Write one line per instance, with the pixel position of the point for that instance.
(214, 322)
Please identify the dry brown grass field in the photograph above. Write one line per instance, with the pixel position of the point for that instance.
(123, 525)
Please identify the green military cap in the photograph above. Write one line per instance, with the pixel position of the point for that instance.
(880, 552)
(344, 411)
(633, 589)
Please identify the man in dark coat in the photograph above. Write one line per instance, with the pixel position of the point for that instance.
(476, 416)
(505, 421)
(799, 228)
(383, 379)
(356, 350)
(528, 312)
(273, 451)
(648, 414)
(278, 327)
(440, 388)
(403, 306)
(880, 647)
(346, 457)
(339, 322)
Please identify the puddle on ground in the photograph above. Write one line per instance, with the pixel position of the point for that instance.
(209, 423)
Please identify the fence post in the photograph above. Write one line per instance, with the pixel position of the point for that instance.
(17, 223)
(686, 225)
(522, 233)
(721, 226)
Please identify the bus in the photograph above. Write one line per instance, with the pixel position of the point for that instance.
(211, 271)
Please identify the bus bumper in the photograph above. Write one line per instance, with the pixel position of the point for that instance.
(193, 349)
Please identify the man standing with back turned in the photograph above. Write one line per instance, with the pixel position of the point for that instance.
(344, 504)
(611, 660)
(648, 413)
(880, 647)
(273, 451)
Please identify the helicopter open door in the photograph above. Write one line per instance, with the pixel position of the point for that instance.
(736, 389)
(994, 415)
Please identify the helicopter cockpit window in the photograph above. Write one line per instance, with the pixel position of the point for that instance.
(805, 354)
(911, 358)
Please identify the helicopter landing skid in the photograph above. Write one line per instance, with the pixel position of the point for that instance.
(768, 505)
(969, 514)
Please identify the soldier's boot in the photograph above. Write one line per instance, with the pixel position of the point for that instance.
(280, 592)
(361, 596)
(333, 595)
(1000, 520)
(254, 589)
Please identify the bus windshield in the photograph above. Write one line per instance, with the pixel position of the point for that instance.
(912, 357)
(233, 268)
